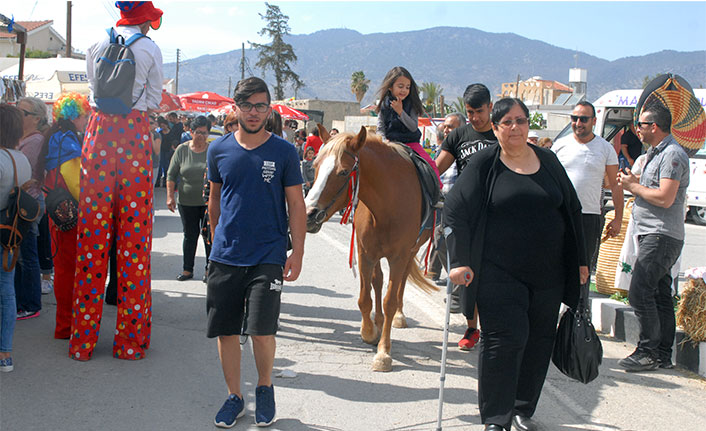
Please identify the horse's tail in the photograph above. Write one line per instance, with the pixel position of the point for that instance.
(419, 279)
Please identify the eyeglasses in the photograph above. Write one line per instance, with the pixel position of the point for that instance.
(27, 113)
(259, 107)
(642, 123)
(229, 125)
(583, 118)
(201, 132)
(521, 121)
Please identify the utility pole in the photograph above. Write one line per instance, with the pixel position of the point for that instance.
(517, 87)
(176, 83)
(68, 29)
(230, 84)
(242, 61)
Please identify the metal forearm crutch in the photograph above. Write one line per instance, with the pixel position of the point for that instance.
(447, 318)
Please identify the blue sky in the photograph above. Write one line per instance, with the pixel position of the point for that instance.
(608, 30)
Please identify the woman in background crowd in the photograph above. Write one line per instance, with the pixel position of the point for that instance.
(28, 279)
(11, 127)
(185, 176)
(63, 165)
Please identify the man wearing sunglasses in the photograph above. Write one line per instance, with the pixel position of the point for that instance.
(658, 215)
(588, 159)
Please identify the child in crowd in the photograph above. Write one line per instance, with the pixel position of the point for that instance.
(398, 112)
(308, 172)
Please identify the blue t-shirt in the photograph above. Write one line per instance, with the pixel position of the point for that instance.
(252, 228)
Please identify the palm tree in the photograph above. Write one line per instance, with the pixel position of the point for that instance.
(430, 95)
(359, 85)
(459, 106)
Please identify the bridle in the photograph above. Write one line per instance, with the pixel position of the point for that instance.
(352, 186)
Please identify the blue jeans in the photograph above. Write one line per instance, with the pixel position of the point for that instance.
(28, 279)
(651, 293)
(8, 309)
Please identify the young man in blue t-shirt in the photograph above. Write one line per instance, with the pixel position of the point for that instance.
(255, 192)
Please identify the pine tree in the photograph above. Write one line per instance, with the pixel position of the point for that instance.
(277, 55)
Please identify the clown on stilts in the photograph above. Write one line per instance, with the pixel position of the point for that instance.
(116, 199)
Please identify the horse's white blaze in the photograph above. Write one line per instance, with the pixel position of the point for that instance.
(326, 168)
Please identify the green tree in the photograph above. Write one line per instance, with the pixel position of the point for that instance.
(537, 121)
(431, 92)
(459, 106)
(359, 85)
(277, 55)
(646, 80)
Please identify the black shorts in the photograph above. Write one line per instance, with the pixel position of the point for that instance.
(243, 300)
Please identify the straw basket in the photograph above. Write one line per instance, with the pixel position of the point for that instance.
(691, 314)
(609, 253)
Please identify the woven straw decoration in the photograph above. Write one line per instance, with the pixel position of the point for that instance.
(688, 116)
(609, 253)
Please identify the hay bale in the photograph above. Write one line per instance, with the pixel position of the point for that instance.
(691, 314)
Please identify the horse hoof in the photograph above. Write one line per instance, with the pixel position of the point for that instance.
(372, 338)
(382, 362)
(399, 321)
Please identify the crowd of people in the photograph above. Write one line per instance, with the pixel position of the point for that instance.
(525, 219)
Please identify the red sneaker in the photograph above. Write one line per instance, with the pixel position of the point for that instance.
(470, 339)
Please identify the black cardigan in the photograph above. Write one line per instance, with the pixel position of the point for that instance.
(465, 213)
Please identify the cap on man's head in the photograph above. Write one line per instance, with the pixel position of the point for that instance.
(139, 12)
(533, 134)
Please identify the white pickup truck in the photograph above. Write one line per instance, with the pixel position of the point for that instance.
(614, 111)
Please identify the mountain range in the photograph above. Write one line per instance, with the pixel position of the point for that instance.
(452, 57)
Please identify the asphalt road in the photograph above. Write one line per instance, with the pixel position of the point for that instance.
(179, 385)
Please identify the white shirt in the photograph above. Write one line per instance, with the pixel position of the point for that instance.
(585, 164)
(148, 68)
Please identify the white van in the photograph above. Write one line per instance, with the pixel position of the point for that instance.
(614, 110)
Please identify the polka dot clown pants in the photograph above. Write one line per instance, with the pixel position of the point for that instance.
(116, 200)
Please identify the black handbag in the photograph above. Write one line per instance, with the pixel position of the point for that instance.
(15, 220)
(61, 205)
(577, 349)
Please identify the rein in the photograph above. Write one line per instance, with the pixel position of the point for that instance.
(352, 186)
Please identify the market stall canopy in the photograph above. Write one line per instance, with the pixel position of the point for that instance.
(47, 78)
(170, 102)
(223, 110)
(290, 113)
(203, 101)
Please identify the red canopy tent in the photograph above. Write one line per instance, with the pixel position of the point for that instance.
(203, 101)
(169, 102)
(290, 113)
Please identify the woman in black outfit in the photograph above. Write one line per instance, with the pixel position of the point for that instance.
(516, 233)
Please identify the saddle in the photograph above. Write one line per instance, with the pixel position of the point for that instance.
(431, 193)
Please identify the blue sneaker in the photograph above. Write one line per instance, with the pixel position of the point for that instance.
(232, 409)
(264, 406)
(6, 365)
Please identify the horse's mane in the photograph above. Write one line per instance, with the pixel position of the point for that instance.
(337, 146)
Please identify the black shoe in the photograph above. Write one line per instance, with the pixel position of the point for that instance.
(666, 364)
(523, 423)
(440, 282)
(494, 427)
(205, 278)
(639, 361)
(184, 277)
(455, 303)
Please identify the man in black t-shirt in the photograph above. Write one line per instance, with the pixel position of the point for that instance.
(459, 146)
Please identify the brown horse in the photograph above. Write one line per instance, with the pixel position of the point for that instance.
(387, 223)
